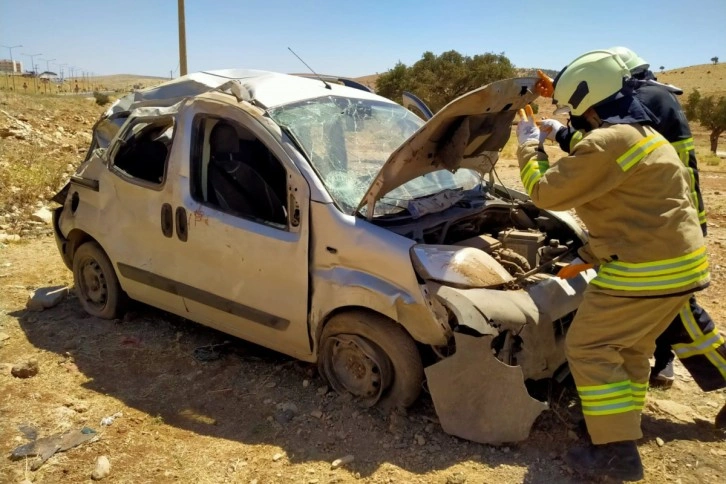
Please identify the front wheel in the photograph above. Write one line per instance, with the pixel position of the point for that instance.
(372, 358)
(96, 283)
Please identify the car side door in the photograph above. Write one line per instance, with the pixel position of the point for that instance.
(244, 256)
(134, 223)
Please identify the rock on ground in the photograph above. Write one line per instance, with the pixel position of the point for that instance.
(42, 215)
(46, 297)
(25, 369)
(103, 468)
(9, 238)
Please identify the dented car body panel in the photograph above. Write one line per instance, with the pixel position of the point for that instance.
(465, 267)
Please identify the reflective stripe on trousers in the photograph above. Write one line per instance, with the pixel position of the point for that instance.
(705, 344)
(612, 398)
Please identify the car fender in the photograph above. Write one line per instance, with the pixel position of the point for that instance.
(340, 289)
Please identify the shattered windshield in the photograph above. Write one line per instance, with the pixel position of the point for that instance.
(348, 141)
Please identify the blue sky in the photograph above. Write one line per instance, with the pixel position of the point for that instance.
(353, 38)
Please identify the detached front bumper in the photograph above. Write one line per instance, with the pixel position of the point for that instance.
(476, 395)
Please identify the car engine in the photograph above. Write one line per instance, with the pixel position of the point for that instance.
(525, 240)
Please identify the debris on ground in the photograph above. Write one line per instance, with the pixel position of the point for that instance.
(46, 297)
(211, 352)
(659, 441)
(106, 421)
(342, 461)
(103, 468)
(44, 448)
(25, 369)
(277, 456)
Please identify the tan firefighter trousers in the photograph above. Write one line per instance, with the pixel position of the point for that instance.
(608, 346)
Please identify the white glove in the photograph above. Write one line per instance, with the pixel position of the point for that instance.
(526, 129)
(548, 129)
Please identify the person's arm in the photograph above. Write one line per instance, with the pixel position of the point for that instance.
(589, 172)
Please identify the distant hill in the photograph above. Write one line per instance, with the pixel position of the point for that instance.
(369, 80)
(127, 81)
(707, 78)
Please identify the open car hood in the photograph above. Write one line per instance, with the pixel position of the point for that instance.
(466, 133)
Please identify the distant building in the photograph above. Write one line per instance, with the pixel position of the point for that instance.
(8, 66)
(48, 75)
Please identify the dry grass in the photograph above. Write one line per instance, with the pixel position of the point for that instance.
(41, 136)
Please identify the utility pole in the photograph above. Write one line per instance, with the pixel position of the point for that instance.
(62, 77)
(47, 64)
(32, 66)
(10, 48)
(182, 40)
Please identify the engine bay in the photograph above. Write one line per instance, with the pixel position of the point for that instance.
(524, 239)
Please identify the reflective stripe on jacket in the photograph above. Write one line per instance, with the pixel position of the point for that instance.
(629, 187)
(672, 124)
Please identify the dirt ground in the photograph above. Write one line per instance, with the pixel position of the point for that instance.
(256, 416)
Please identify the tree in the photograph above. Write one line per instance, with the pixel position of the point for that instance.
(438, 80)
(709, 112)
(662, 68)
(714, 60)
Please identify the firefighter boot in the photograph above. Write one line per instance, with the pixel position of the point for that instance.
(720, 421)
(617, 460)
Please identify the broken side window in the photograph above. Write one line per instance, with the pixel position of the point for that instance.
(144, 150)
(233, 171)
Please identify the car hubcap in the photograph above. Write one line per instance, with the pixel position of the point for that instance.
(355, 365)
(93, 284)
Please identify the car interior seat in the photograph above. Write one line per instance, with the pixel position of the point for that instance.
(233, 183)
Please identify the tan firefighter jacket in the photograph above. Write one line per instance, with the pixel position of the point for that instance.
(631, 190)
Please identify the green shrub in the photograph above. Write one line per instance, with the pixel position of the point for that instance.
(101, 98)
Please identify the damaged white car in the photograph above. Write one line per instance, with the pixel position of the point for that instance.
(333, 225)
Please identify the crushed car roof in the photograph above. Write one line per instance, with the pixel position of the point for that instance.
(266, 89)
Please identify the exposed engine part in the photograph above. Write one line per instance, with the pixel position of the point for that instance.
(506, 353)
(524, 242)
(551, 250)
(484, 242)
(541, 267)
(513, 262)
(521, 219)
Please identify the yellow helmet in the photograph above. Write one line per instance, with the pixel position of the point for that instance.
(588, 80)
(632, 61)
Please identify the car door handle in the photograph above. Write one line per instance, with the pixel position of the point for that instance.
(182, 229)
(167, 221)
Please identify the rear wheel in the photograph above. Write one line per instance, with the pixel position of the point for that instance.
(96, 283)
(372, 358)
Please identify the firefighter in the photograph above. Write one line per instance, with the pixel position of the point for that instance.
(692, 334)
(630, 189)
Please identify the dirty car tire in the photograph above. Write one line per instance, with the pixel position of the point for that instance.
(96, 283)
(400, 366)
